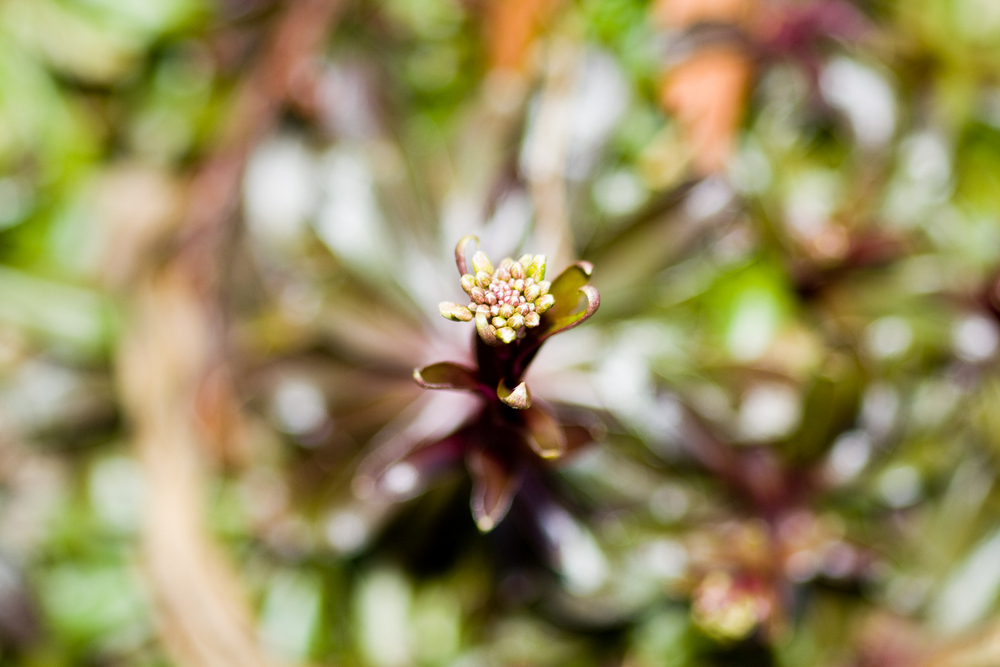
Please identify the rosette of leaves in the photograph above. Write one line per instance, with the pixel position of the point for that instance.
(512, 437)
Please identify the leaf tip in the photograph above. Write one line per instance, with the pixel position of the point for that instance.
(460, 261)
(518, 398)
(485, 524)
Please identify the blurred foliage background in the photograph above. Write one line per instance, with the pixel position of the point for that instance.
(224, 231)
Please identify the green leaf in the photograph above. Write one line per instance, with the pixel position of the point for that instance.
(566, 287)
(565, 322)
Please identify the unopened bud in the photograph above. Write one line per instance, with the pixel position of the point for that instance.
(487, 332)
(483, 279)
(543, 286)
(506, 334)
(481, 262)
(506, 262)
(503, 274)
(544, 303)
(517, 271)
(454, 312)
(536, 268)
(499, 322)
(531, 293)
(532, 320)
(516, 322)
(519, 285)
(491, 298)
(478, 294)
(468, 283)
(506, 310)
(525, 260)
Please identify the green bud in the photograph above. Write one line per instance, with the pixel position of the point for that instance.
(536, 268)
(499, 322)
(517, 271)
(524, 260)
(483, 279)
(468, 283)
(532, 320)
(544, 303)
(486, 331)
(544, 285)
(532, 292)
(506, 262)
(506, 311)
(506, 334)
(454, 312)
(516, 322)
(481, 262)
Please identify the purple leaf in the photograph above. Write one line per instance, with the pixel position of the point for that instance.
(545, 435)
(446, 375)
(578, 436)
(493, 488)
(409, 476)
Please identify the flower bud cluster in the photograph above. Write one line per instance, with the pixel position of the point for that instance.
(506, 301)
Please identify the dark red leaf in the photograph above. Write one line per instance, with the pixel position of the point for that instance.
(493, 488)
(446, 375)
(545, 435)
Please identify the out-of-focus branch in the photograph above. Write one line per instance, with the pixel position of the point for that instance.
(706, 89)
(549, 149)
(512, 26)
(173, 375)
(980, 650)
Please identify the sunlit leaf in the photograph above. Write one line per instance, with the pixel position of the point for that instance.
(565, 322)
(565, 289)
